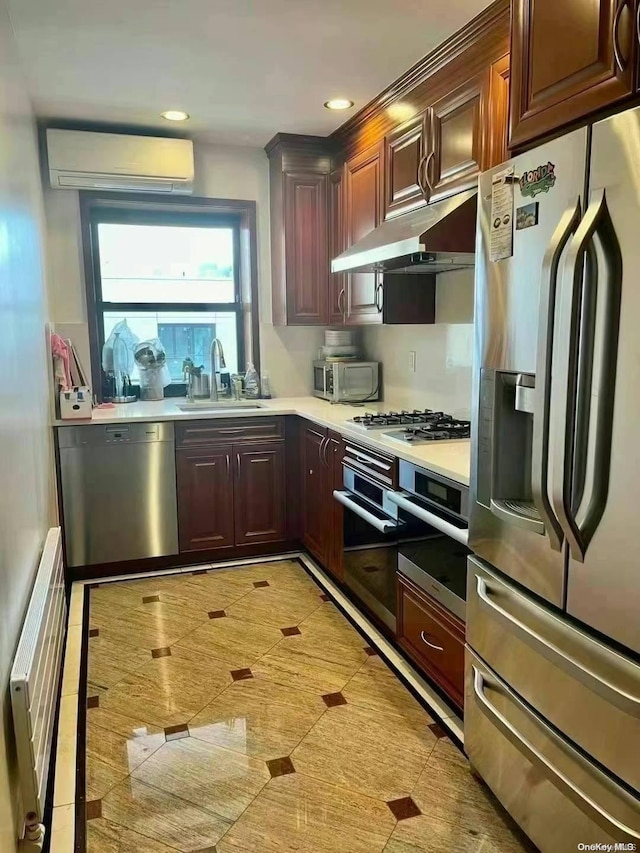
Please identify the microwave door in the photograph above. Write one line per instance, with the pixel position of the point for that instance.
(357, 381)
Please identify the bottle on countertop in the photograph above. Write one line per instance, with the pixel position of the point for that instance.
(252, 382)
(265, 386)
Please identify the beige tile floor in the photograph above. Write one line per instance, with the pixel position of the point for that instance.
(238, 710)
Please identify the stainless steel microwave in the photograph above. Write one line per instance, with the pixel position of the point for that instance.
(346, 381)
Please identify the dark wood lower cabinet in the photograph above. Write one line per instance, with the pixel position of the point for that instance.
(205, 498)
(259, 493)
(315, 523)
(321, 453)
(334, 453)
(432, 637)
(231, 496)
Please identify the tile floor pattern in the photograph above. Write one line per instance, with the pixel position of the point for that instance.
(238, 711)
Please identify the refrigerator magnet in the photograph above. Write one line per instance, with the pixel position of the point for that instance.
(527, 216)
(538, 180)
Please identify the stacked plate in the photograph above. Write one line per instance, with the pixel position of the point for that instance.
(339, 345)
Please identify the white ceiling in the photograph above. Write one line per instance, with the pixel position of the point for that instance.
(243, 69)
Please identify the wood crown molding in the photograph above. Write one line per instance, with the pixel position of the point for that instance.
(312, 144)
(481, 26)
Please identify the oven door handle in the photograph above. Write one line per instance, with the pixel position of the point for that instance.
(404, 502)
(381, 525)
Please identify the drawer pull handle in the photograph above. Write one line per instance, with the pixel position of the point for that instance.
(234, 430)
(599, 683)
(366, 458)
(431, 645)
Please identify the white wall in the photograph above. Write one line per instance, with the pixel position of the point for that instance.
(444, 352)
(443, 375)
(25, 453)
(221, 172)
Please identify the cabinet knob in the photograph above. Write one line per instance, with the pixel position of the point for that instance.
(311, 470)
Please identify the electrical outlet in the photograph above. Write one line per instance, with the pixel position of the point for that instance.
(412, 361)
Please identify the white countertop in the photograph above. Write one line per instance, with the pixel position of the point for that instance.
(449, 458)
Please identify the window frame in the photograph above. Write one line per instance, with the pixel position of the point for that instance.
(145, 209)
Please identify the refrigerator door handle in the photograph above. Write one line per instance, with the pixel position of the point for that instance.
(540, 445)
(579, 340)
(627, 702)
(581, 798)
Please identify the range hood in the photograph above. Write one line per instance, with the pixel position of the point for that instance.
(439, 237)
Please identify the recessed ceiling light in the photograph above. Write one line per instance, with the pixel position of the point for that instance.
(338, 104)
(175, 115)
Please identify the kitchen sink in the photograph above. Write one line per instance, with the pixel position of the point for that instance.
(221, 406)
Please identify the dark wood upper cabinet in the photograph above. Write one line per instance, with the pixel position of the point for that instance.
(363, 180)
(259, 493)
(299, 173)
(305, 211)
(337, 244)
(456, 140)
(496, 128)
(568, 60)
(404, 149)
(205, 498)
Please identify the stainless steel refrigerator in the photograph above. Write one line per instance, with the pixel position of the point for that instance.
(552, 703)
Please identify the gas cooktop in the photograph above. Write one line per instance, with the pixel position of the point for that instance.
(442, 428)
(382, 420)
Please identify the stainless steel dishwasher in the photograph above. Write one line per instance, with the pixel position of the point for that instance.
(118, 492)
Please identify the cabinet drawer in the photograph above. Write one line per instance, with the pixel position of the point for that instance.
(374, 464)
(225, 431)
(433, 637)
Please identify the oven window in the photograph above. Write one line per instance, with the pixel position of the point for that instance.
(368, 490)
(370, 563)
(443, 559)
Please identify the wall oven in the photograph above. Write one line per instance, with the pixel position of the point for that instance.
(415, 525)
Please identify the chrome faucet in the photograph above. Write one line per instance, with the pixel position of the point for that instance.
(216, 348)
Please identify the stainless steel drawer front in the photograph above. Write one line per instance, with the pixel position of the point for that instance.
(586, 689)
(559, 797)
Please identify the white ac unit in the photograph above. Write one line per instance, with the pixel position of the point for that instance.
(84, 160)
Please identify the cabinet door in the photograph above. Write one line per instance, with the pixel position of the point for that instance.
(305, 205)
(404, 149)
(259, 493)
(363, 209)
(337, 244)
(568, 59)
(456, 140)
(205, 499)
(334, 452)
(314, 486)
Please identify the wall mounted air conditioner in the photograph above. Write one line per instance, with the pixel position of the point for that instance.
(84, 160)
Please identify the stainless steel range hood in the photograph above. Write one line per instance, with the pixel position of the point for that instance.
(437, 238)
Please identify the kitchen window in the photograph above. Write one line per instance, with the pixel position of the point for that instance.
(176, 271)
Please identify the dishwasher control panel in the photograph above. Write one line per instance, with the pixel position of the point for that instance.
(99, 435)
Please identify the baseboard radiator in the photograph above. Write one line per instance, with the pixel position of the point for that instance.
(35, 681)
